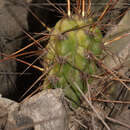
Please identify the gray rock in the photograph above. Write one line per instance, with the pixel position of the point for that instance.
(44, 111)
(120, 48)
(9, 42)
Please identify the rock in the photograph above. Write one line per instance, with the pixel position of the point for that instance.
(10, 31)
(120, 60)
(44, 111)
(120, 48)
(6, 105)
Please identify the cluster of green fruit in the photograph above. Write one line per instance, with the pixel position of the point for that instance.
(68, 55)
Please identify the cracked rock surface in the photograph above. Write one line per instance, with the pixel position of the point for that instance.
(44, 111)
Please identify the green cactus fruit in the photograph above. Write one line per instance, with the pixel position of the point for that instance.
(69, 43)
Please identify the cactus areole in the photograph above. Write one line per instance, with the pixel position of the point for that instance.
(71, 40)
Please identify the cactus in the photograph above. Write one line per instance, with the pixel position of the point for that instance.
(68, 47)
(73, 52)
